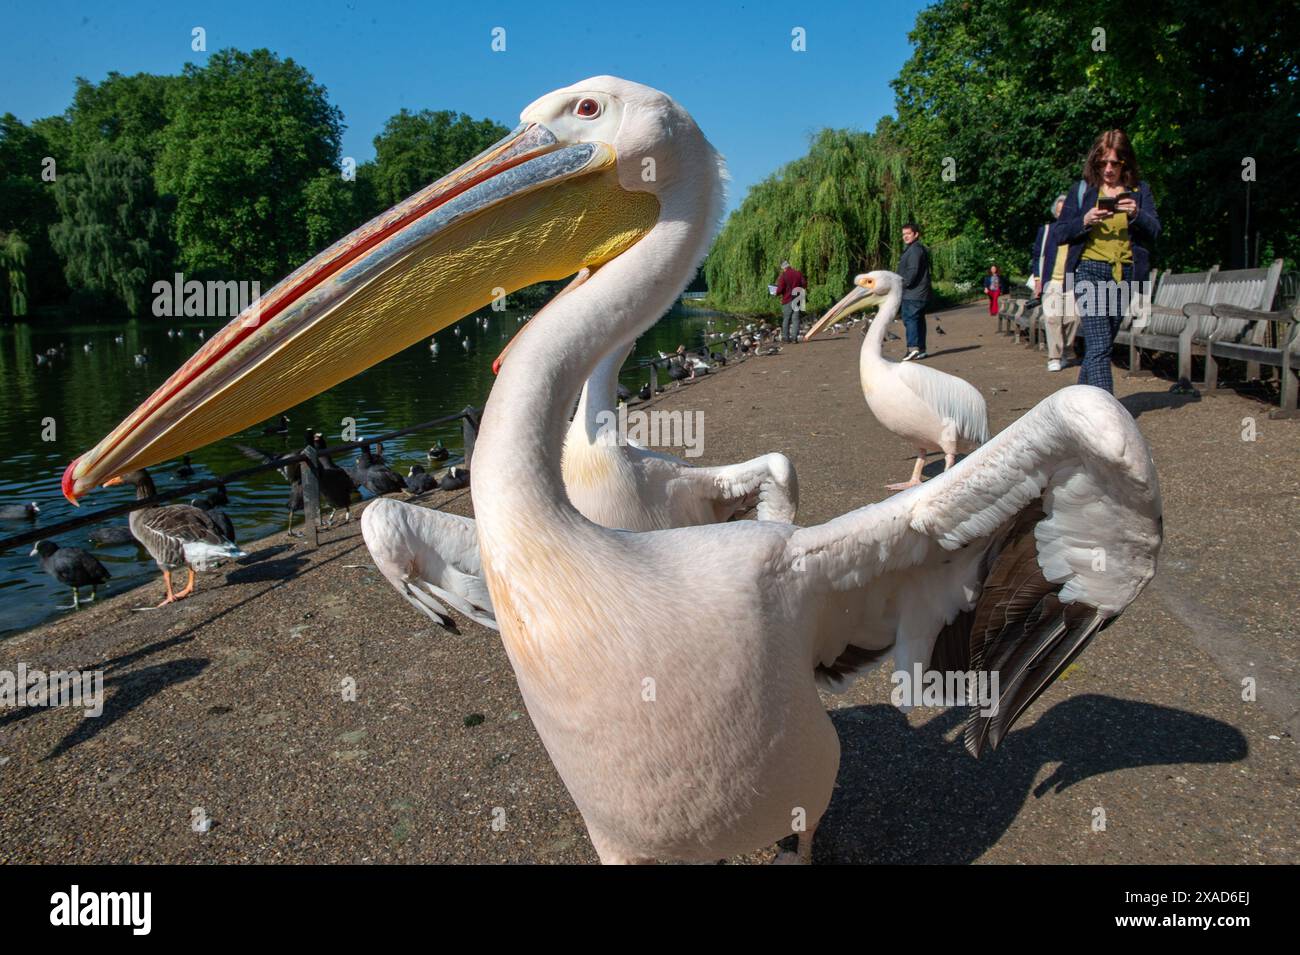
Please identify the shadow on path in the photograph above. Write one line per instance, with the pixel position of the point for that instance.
(909, 795)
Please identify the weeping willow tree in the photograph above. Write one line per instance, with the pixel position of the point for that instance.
(13, 266)
(833, 213)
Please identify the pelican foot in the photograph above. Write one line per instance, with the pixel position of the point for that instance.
(901, 487)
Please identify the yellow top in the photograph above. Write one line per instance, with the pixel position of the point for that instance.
(1058, 268)
(1108, 241)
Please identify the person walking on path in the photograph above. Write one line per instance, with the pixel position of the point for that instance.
(1110, 222)
(792, 290)
(914, 268)
(994, 286)
(1060, 318)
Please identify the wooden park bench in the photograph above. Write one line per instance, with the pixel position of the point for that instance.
(1181, 316)
(1006, 308)
(1242, 334)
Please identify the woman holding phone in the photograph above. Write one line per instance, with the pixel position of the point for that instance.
(1110, 223)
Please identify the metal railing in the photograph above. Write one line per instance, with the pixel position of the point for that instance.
(310, 455)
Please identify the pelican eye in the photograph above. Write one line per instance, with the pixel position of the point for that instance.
(587, 108)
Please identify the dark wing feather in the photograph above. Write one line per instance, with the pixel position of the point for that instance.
(257, 454)
(1018, 629)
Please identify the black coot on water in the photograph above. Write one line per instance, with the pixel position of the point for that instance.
(19, 512)
(72, 566)
(112, 535)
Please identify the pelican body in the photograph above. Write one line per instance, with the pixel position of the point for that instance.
(431, 557)
(699, 739)
(928, 408)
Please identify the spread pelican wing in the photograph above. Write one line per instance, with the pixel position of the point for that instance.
(431, 559)
(1009, 563)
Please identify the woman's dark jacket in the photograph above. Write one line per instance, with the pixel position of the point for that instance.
(1143, 228)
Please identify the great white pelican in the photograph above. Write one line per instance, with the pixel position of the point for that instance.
(680, 740)
(931, 409)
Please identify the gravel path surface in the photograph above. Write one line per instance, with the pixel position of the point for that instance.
(230, 706)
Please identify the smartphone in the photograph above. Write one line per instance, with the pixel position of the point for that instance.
(1107, 202)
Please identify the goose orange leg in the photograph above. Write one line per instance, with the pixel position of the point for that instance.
(189, 586)
(171, 597)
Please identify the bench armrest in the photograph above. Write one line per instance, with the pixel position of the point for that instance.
(1253, 314)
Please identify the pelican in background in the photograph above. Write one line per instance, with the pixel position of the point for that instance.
(990, 568)
(431, 557)
(931, 409)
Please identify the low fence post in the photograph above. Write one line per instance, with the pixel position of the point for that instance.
(311, 494)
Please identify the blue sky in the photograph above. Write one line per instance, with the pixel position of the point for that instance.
(731, 65)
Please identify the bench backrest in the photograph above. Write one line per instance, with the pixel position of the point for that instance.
(1173, 292)
(1247, 288)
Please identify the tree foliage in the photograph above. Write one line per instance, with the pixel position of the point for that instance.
(111, 234)
(1014, 95)
(414, 149)
(248, 133)
(30, 273)
(837, 211)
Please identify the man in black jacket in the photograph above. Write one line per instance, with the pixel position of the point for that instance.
(914, 268)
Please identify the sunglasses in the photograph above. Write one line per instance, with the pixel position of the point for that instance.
(1110, 162)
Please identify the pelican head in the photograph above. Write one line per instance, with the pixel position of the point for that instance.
(869, 288)
(576, 184)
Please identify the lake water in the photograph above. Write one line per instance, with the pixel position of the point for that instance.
(87, 392)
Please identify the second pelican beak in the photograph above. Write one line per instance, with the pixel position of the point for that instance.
(862, 295)
(528, 209)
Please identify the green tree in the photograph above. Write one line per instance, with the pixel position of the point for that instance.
(335, 206)
(111, 234)
(27, 209)
(414, 149)
(128, 113)
(13, 270)
(249, 132)
(1008, 98)
(835, 212)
